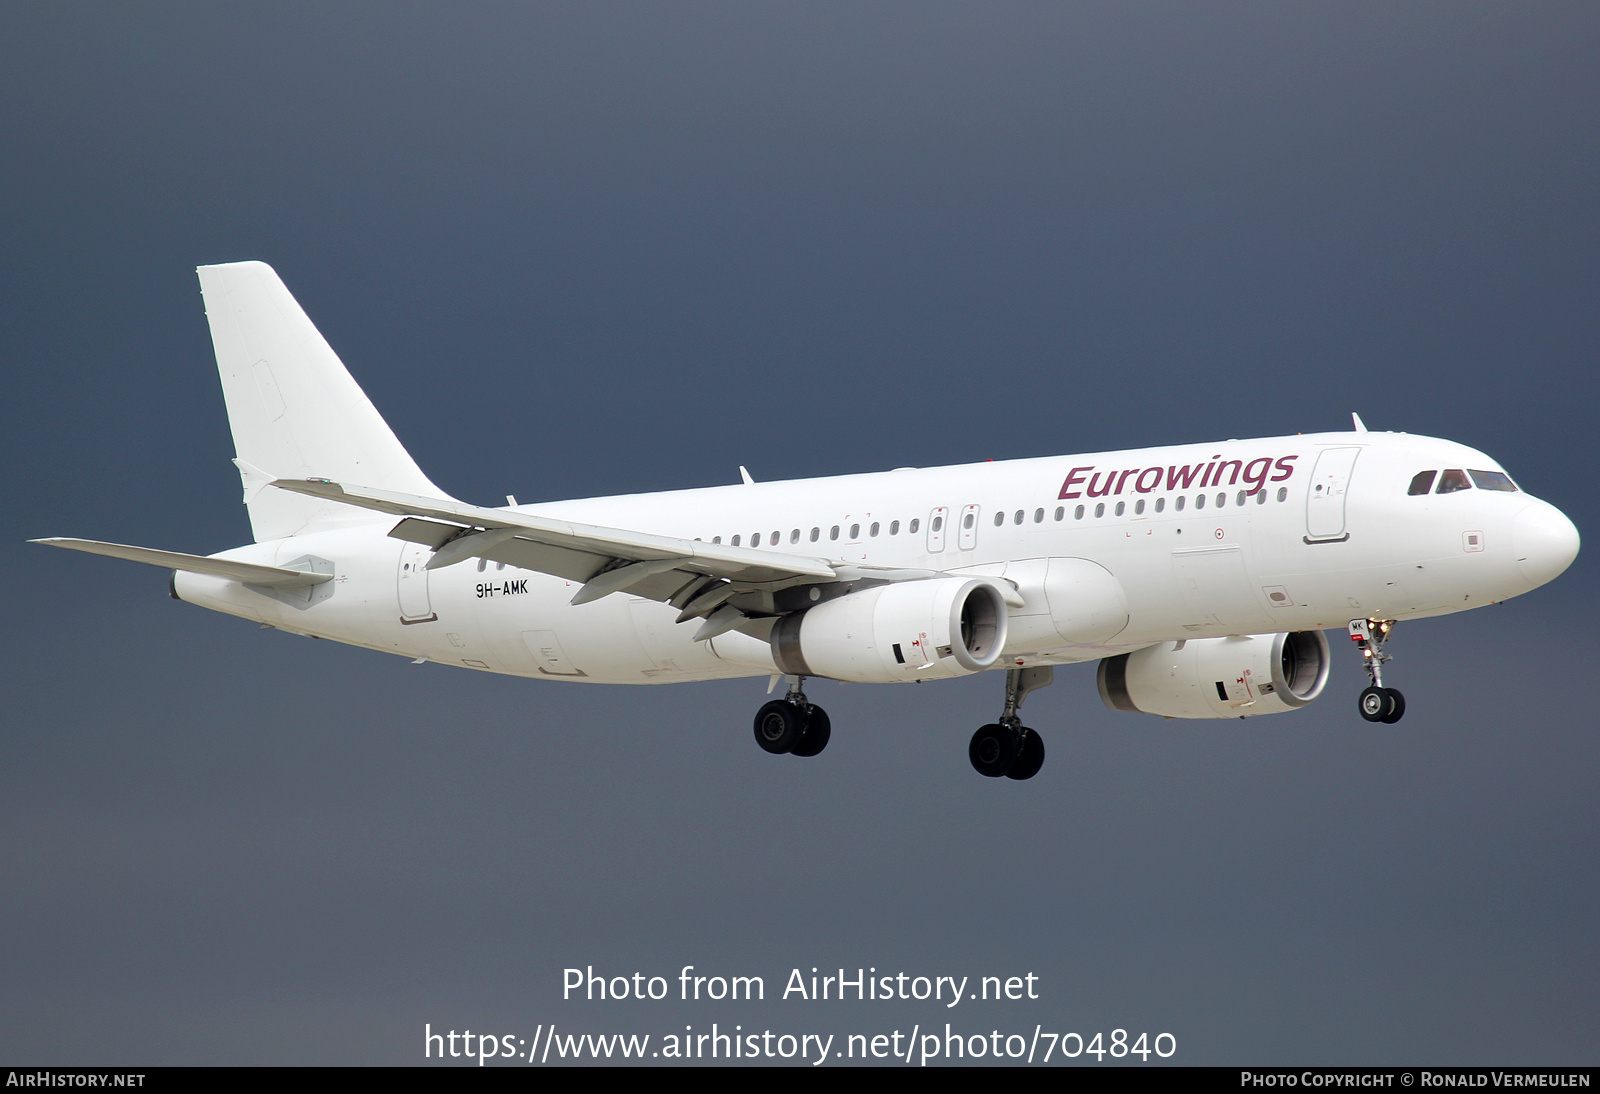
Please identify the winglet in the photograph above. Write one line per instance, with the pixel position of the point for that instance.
(1361, 427)
(745, 475)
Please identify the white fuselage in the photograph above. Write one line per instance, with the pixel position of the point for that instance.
(1285, 534)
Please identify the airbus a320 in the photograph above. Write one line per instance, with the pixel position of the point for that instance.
(1204, 578)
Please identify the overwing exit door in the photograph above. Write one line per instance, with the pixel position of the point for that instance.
(969, 527)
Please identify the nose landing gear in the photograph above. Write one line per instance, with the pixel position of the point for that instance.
(1008, 747)
(1377, 703)
(792, 724)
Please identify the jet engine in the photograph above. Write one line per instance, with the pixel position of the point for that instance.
(1236, 677)
(909, 630)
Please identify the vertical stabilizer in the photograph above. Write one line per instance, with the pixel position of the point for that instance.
(294, 409)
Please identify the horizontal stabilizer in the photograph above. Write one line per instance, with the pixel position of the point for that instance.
(248, 572)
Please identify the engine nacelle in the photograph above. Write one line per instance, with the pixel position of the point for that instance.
(910, 630)
(1235, 677)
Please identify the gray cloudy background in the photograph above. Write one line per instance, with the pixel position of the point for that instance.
(584, 249)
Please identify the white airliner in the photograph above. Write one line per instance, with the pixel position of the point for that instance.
(1203, 578)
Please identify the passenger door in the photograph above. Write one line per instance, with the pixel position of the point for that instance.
(412, 584)
(1330, 482)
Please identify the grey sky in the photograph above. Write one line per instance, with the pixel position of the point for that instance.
(586, 249)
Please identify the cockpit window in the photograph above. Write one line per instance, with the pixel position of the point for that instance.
(1422, 483)
(1493, 480)
(1452, 480)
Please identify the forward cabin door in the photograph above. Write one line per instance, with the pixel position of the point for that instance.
(1330, 482)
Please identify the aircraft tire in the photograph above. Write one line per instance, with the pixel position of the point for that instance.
(1375, 704)
(779, 725)
(814, 737)
(1397, 707)
(994, 750)
(1030, 759)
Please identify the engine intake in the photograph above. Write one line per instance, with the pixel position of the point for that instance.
(1237, 677)
(910, 630)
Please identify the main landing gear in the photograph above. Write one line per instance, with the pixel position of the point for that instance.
(1008, 747)
(1377, 703)
(792, 724)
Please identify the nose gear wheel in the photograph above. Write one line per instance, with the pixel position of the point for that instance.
(1376, 703)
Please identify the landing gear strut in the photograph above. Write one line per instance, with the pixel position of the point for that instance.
(1377, 703)
(792, 724)
(1008, 747)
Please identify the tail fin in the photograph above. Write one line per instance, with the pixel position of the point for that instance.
(294, 409)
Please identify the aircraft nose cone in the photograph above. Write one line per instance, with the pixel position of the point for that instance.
(1545, 542)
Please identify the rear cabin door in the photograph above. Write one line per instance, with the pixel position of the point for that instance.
(412, 582)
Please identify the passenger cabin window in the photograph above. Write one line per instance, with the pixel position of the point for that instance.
(999, 519)
(1038, 516)
(894, 528)
(1283, 493)
(1421, 483)
(1493, 480)
(1178, 505)
(1018, 518)
(1121, 505)
(1452, 480)
(1138, 506)
(912, 527)
(1161, 504)
(1100, 509)
(855, 531)
(873, 531)
(833, 533)
(716, 539)
(1077, 514)
(816, 534)
(736, 541)
(966, 521)
(775, 537)
(1061, 511)
(938, 523)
